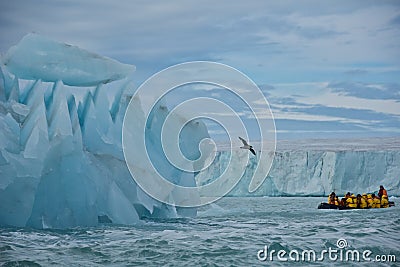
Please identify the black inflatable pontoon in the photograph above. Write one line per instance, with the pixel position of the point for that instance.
(326, 206)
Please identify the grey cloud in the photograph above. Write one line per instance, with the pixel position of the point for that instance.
(395, 21)
(270, 23)
(314, 126)
(356, 72)
(344, 119)
(367, 91)
(316, 32)
(348, 113)
(286, 101)
(160, 28)
(157, 34)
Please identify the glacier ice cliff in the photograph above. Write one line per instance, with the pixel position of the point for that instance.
(317, 171)
(61, 158)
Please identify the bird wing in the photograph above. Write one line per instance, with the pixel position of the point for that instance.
(243, 141)
(252, 151)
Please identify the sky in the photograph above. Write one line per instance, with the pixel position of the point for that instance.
(327, 68)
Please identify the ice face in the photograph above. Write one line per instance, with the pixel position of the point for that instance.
(310, 172)
(36, 57)
(61, 159)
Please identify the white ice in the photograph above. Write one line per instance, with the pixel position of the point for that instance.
(305, 169)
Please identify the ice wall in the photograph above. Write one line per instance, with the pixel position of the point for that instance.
(61, 159)
(316, 173)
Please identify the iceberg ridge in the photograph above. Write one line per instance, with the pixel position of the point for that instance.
(36, 57)
(61, 159)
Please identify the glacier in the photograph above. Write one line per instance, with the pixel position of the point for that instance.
(318, 167)
(61, 157)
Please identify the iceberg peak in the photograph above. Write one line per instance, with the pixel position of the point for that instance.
(37, 57)
(61, 158)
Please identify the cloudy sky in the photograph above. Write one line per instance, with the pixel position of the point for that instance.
(328, 68)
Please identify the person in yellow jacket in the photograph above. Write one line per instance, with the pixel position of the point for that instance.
(331, 198)
(370, 201)
(337, 201)
(347, 200)
(343, 201)
(361, 201)
(377, 201)
(352, 202)
(365, 197)
(384, 201)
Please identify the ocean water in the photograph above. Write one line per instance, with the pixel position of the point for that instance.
(230, 232)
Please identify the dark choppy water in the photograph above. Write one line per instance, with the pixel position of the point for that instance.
(229, 233)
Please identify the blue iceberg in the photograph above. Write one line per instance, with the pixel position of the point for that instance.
(61, 158)
(36, 57)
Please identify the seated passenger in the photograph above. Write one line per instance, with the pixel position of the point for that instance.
(337, 202)
(355, 200)
(347, 200)
(370, 201)
(377, 201)
(361, 201)
(352, 202)
(331, 198)
(343, 201)
(384, 202)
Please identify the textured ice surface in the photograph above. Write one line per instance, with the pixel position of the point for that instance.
(318, 167)
(36, 57)
(61, 159)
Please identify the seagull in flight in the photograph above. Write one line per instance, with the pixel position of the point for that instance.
(247, 146)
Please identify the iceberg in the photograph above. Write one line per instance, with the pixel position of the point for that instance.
(61, 158)
(36, 57)
(316, 168)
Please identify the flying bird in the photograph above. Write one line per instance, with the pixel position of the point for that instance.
(247, 146)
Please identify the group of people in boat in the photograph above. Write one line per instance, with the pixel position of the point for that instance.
(364, 201)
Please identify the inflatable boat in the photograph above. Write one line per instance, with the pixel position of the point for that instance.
(327, 206)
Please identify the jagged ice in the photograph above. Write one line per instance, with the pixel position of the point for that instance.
(61, 159)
